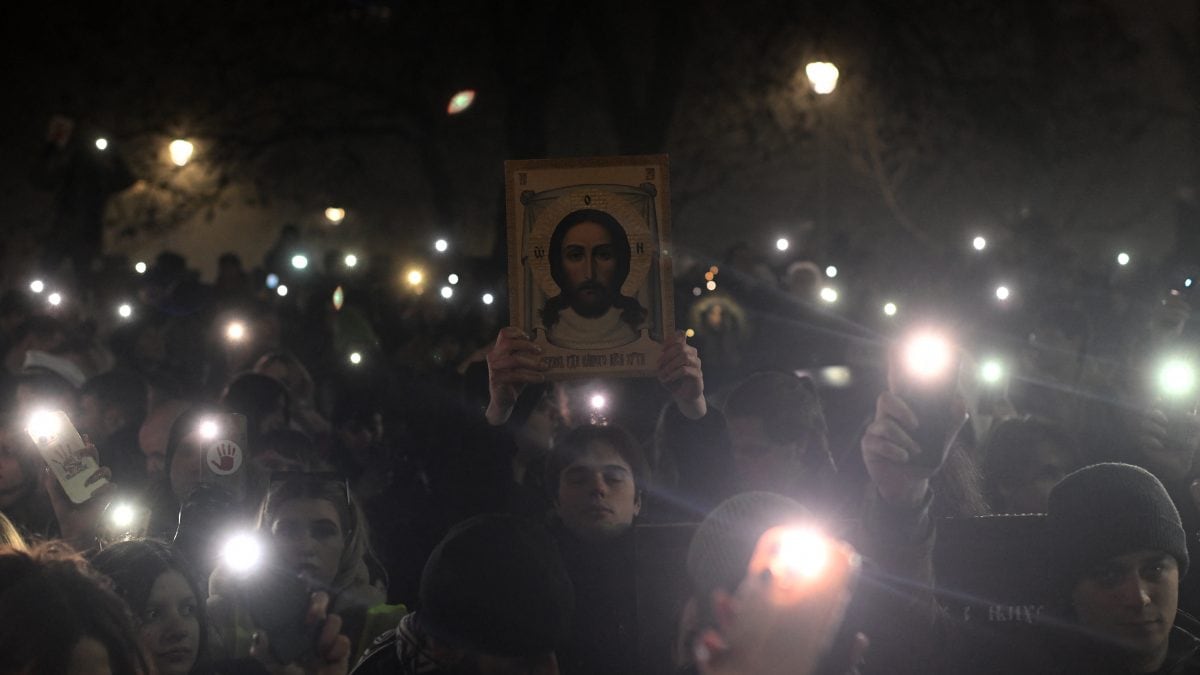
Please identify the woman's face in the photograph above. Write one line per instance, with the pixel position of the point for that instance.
(170, 625)
(308, 535)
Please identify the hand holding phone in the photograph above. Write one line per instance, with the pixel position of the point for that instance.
(66, 454)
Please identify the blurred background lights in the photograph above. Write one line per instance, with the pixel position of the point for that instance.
(125, 310)
(140, 267)
(37, 286)
(697, 291)
(272, 280)
(712, 285)
(1002, 292)
(441, 245)
(355, 358)
(598, 401)
(829, 295)
(1187, 283)
(831, 271)
(460, 101)
(350, 260)
(339, 298)
(236, 330)
(282, 290)
(101, 143)
(928, 355)
(488, 298)
(782, 244)
(447, 292)
(691, 332)
(335, 215)
(54, 299)
(979, 243)
(823, 76)
(453, 279)
(889, 308)
(300, 261)
(181, 151)
(1122, 258)
(414, 277)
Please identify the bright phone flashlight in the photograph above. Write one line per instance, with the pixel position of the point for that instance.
(991, 372)
(598, 402)
(54, 299)
(37, 285)
(1176, 377)
(235, 331)
(441, 245)
(355, 358)
(209, 429)
(300, 261)
(242, 553)
(927, 355)
(125, 310)
(802, 553)
(122, 515)
(43, 424)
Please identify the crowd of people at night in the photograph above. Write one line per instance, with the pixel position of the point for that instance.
(786, 494)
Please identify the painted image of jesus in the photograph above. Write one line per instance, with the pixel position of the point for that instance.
(589, 261)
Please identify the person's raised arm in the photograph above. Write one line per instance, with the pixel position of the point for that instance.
(512, 363)
(680, 372)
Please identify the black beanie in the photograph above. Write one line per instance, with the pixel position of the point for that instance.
(1107, 510)
(497, 585)
(722, 546)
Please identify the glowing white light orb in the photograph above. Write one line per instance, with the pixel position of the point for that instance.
(1177, 377)
(488, 298)
(335, 215)
(697, 291)
(823, 76)
(598, 401)
(691, 332)
(300, 261)
(235, 331)
(802, 552)
(122, 515)
(447, 292)
(441, 245)
(829, 295)
(712, 285)
(928, 355)
(831, 271)
(782, 244)
(1122, 258)
(282, 290)
(101, 143)
(460, 101)
(991, 372)
(355, 358)
(37, 286)
(350, 260)
(125, 310)
(453, 279)
(140, 267)
(55, 299)
(1187, 283)
(414, 277)
(1002, 292)
(43, 424)
(979, 243)
(181, 151)
(242, 553)
(889, 308)
(209, 429)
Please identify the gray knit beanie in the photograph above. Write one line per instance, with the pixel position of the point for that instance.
(1107, 510)
(723, 544)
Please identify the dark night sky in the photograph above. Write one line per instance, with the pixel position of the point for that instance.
(1077, 116)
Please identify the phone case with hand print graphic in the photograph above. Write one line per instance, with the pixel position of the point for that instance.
(63, 452)
(223, 457)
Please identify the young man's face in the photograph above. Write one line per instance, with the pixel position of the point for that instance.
(597, 496)
(589, 262)
(1131, 599)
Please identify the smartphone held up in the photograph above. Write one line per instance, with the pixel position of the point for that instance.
(64, 451)
(926, 377)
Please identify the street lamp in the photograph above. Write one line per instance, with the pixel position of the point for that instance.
(823, 76)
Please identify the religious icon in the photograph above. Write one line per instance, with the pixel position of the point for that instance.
(589, 270)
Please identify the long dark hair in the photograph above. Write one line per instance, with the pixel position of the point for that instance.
(632, 311)
(134, 566)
